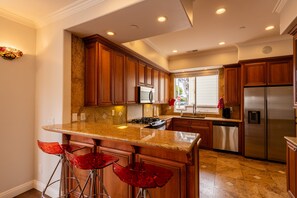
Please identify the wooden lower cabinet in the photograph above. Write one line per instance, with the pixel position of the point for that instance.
(291, 169)
(183, 184)
(169, 124)
(176, 186)
(203, 127)
(110, 180)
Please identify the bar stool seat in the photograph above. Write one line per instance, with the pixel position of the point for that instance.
(54, 148)
(143, 175)
(92, 162)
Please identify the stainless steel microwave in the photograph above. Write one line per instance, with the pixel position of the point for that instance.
(146, 94)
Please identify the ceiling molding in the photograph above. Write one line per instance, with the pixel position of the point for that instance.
(68, 10)
(266, 40)
(155, 47)
(280, 4)
(16, 18)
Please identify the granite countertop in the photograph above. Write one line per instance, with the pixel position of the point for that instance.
(133, 134)
(166, 117)
(293, 140)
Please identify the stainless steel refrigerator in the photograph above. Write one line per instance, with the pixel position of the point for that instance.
(268, 117)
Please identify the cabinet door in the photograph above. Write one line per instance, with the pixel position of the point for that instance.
(291, 169)
(156, 86)
(176, 186)
(119, 82)
(169, 124)
(167, 87)
(280, 72)
(295, 68)
(205, 131)
(162, 87)
(110, 180)
(232, 85)
(254, 74)
(149, 76)
(131, 79)
(141, 73)
(104, 73)
(91, 72)
(181, 125)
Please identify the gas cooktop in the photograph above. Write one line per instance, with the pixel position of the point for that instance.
(144, 120)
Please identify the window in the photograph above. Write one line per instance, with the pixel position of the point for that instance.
(199, 90)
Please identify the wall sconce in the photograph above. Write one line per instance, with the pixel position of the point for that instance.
(9, 53)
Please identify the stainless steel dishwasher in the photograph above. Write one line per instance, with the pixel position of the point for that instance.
(225, 136)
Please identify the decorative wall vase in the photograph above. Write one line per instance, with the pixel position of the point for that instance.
(9, 53)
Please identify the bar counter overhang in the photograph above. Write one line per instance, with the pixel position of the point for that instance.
(174, 150)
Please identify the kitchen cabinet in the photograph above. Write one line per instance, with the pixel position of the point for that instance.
(162, 87)
(176, 185)
(232, 80)
(291, 169)
(295, 67)
(203, 127)
(167, 88)
(179, 124)
(169, 124)
(91, 72)
(119, 81)
(131, 79)
(110, 180)
(104, 76)
(270, 71)
(141, 73)
(149, 76)
(254, 74)
(156, 86)
(98, 75)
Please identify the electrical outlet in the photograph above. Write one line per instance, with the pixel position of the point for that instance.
(74, 117)
(82, 116)
(112, 112)
(120, 113)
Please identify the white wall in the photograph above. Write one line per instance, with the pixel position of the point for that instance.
(17, 88)
(202, 59)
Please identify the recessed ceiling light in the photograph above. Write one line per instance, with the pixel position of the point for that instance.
(110, 33)
(222, 43)
(269, 27)
(220, 11)
(162, 19)
(174, 51)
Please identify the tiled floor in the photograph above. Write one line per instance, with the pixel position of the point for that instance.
(228, 175)
(224, 175)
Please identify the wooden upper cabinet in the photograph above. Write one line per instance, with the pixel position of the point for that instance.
(156, 86)
(280, 72)
(104, 76)
(254, 74)
(167, 87)
(232, 84)
(162, 87)
(141, 73)
(268, 71)
(131, 79)
(91, 71)
(119, 81)
(149, 76)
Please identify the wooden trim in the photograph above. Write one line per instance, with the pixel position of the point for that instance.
(123, 49)
(278, 58)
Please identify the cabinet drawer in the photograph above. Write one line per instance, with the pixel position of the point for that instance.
(200, 123)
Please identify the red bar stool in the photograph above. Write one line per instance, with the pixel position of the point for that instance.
(92, 162)
(143, 176)
(54, 148)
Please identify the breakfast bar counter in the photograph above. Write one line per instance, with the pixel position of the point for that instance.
(173, 150)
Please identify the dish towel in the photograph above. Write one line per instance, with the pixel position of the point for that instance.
(221, 103)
